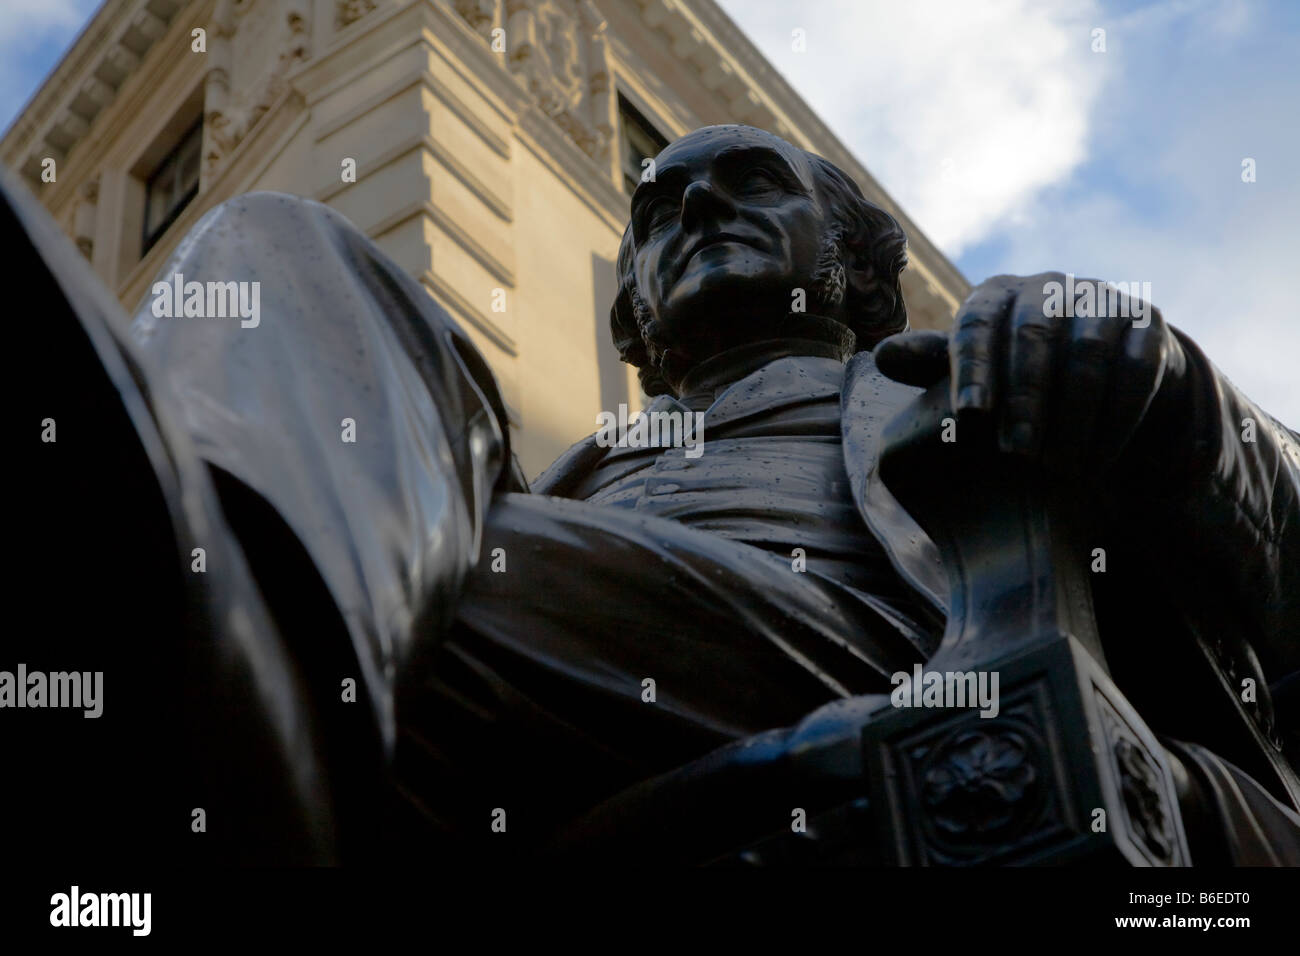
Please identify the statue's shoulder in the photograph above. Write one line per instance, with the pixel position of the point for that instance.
(868, 400)
(562, 475)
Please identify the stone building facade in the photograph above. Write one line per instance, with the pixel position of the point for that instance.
(488, 146)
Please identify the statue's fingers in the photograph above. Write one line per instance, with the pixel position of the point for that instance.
(1136, 373)
(914, 358)
(973, 346)
(1030, 360)
(1085, 373)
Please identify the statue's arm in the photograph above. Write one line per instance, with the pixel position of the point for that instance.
(737, 796)
(1136, 411)
(1224, 483)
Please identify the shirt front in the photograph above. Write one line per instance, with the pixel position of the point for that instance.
(770, 473)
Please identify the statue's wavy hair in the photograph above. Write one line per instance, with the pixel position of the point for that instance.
(868, 236)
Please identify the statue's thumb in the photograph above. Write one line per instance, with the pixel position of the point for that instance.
(914, 358)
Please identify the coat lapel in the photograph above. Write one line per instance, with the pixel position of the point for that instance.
(869, 400)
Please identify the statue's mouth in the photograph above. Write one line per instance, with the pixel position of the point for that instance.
(714, 240)
(708, 242)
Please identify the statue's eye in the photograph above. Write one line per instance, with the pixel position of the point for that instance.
(658, 213)
(758, 183)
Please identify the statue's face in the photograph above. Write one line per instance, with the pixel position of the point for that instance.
(730, 227)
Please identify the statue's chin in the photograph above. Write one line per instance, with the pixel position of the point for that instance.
(669, 352)
(675, 355)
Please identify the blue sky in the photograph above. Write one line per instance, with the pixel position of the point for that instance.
(34, 35)
(1019, 148)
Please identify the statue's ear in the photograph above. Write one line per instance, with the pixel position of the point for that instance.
(623, 329)
(861, 282)
(874, 303)
(629, 344)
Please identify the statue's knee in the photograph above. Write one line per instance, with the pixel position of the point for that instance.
(266, 230)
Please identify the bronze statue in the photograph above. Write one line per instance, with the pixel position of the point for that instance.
(675, 652)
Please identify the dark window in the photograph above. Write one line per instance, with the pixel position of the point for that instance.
(641, 141)
(174, 183)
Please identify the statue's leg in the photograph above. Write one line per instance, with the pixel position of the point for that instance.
(295, 437)
(597, 647)
(158, 718)
(356, 437)
(347, 401)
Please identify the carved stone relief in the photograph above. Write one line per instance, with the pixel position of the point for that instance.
(246, 78)
(347, 12)
(558, 48)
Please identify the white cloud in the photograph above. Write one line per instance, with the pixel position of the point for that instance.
(1198, 87)
(1123, 165)
(963, 111)
(1229, 288)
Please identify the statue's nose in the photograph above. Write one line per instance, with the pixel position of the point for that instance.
(701, 203)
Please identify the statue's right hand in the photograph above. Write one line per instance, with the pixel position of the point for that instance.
(736, 795)
(828, 742)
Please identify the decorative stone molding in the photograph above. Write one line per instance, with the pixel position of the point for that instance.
(84, 216)
(245, 79)
(482, 15)
(348, 12)
(86, 81)
(557, 48)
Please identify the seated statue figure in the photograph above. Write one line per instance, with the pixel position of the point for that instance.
(396, 646)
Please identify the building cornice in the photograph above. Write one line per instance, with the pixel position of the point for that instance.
(441, 31)
(541, 134)
(71, 105)
(446, 35)
(88, 78)
(481, 191)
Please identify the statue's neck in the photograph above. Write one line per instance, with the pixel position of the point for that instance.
(801, 334)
